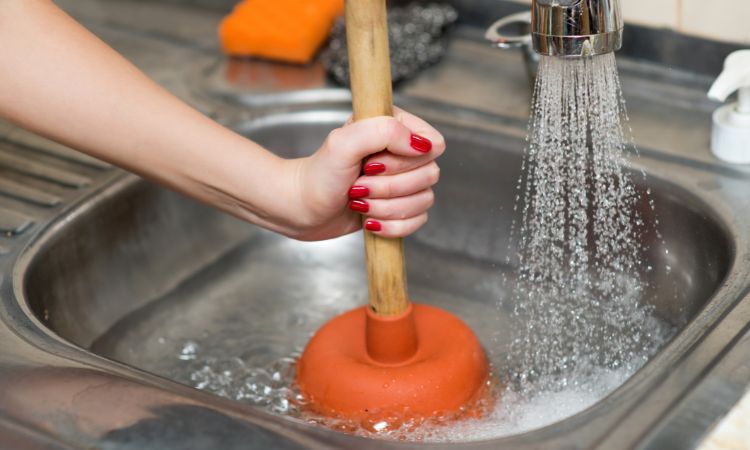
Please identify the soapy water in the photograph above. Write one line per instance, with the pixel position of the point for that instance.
(272, 387)
(574, 297)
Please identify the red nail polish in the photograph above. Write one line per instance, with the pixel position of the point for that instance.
(359, 206)
(372, 225)
(421, 144)
(374, 168)
(358, 192)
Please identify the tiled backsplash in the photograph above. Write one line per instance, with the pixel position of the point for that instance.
(723, 20)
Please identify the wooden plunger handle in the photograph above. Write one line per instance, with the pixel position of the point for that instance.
(370, 73)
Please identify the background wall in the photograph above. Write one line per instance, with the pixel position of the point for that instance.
(692, 35)
(722, 20)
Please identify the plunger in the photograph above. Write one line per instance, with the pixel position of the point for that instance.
(390, 356)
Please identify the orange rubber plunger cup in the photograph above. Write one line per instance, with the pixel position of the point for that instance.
(390, 357)
(424, 362)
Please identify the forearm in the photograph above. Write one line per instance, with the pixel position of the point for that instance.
(62, 82)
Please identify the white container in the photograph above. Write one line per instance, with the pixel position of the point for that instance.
(730, 136)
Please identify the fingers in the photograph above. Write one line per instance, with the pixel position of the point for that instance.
(395, 205)
(386, 163)
(390, 162)
(395, 208)
(420, 127)
(395, 228)
(395, 191)
(399, 185)
(402, 137)
(394, 217)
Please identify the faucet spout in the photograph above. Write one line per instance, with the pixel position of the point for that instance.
(576, 28)
(562, 28)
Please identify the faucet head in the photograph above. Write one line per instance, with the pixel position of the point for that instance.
(576, 28)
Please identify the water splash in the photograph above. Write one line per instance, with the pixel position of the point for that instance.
(272, 387)
(578, 299)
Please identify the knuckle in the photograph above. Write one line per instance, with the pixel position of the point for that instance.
(390, 211)
(438, 144)
(388, 128)
(387, 189)
(430, 198)
(434, 174)
(397, 229)
(419, 222)
(407, 227)
(400, 113)
(423, 220)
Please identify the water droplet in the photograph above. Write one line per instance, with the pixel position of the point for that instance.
(189, 351)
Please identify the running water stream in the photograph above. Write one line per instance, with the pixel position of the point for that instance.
(580, 257)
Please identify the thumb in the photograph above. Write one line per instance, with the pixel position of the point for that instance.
(354, 142)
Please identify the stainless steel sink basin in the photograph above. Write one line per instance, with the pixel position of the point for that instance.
(132, 272)
(98, 267)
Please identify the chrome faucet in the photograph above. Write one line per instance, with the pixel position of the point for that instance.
(564, 28)
(575, 28)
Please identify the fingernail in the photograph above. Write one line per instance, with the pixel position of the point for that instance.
(374, 168)
(359, 206)
(372, 225)
(358, 192)
(421, 144)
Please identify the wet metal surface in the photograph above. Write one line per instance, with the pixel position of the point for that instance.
(13, 223)
(163, 240)
(104, 251)
(26, 166)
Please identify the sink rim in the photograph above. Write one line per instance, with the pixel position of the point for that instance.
(34, 249)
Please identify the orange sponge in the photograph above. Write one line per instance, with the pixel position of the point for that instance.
(286, 30)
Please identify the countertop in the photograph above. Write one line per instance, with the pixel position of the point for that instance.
(733, 432)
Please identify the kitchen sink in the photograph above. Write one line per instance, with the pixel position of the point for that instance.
(109, 292)
(115, 291)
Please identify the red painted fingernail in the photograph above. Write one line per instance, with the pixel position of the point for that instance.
(359, 206)
(372, 225)
(358, 192)
(421, 144)
(374, 168)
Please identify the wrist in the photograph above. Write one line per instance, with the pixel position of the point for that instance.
(272, 192)
(242, 179)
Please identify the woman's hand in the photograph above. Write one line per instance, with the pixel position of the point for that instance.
(100, 104)
(393, 192)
